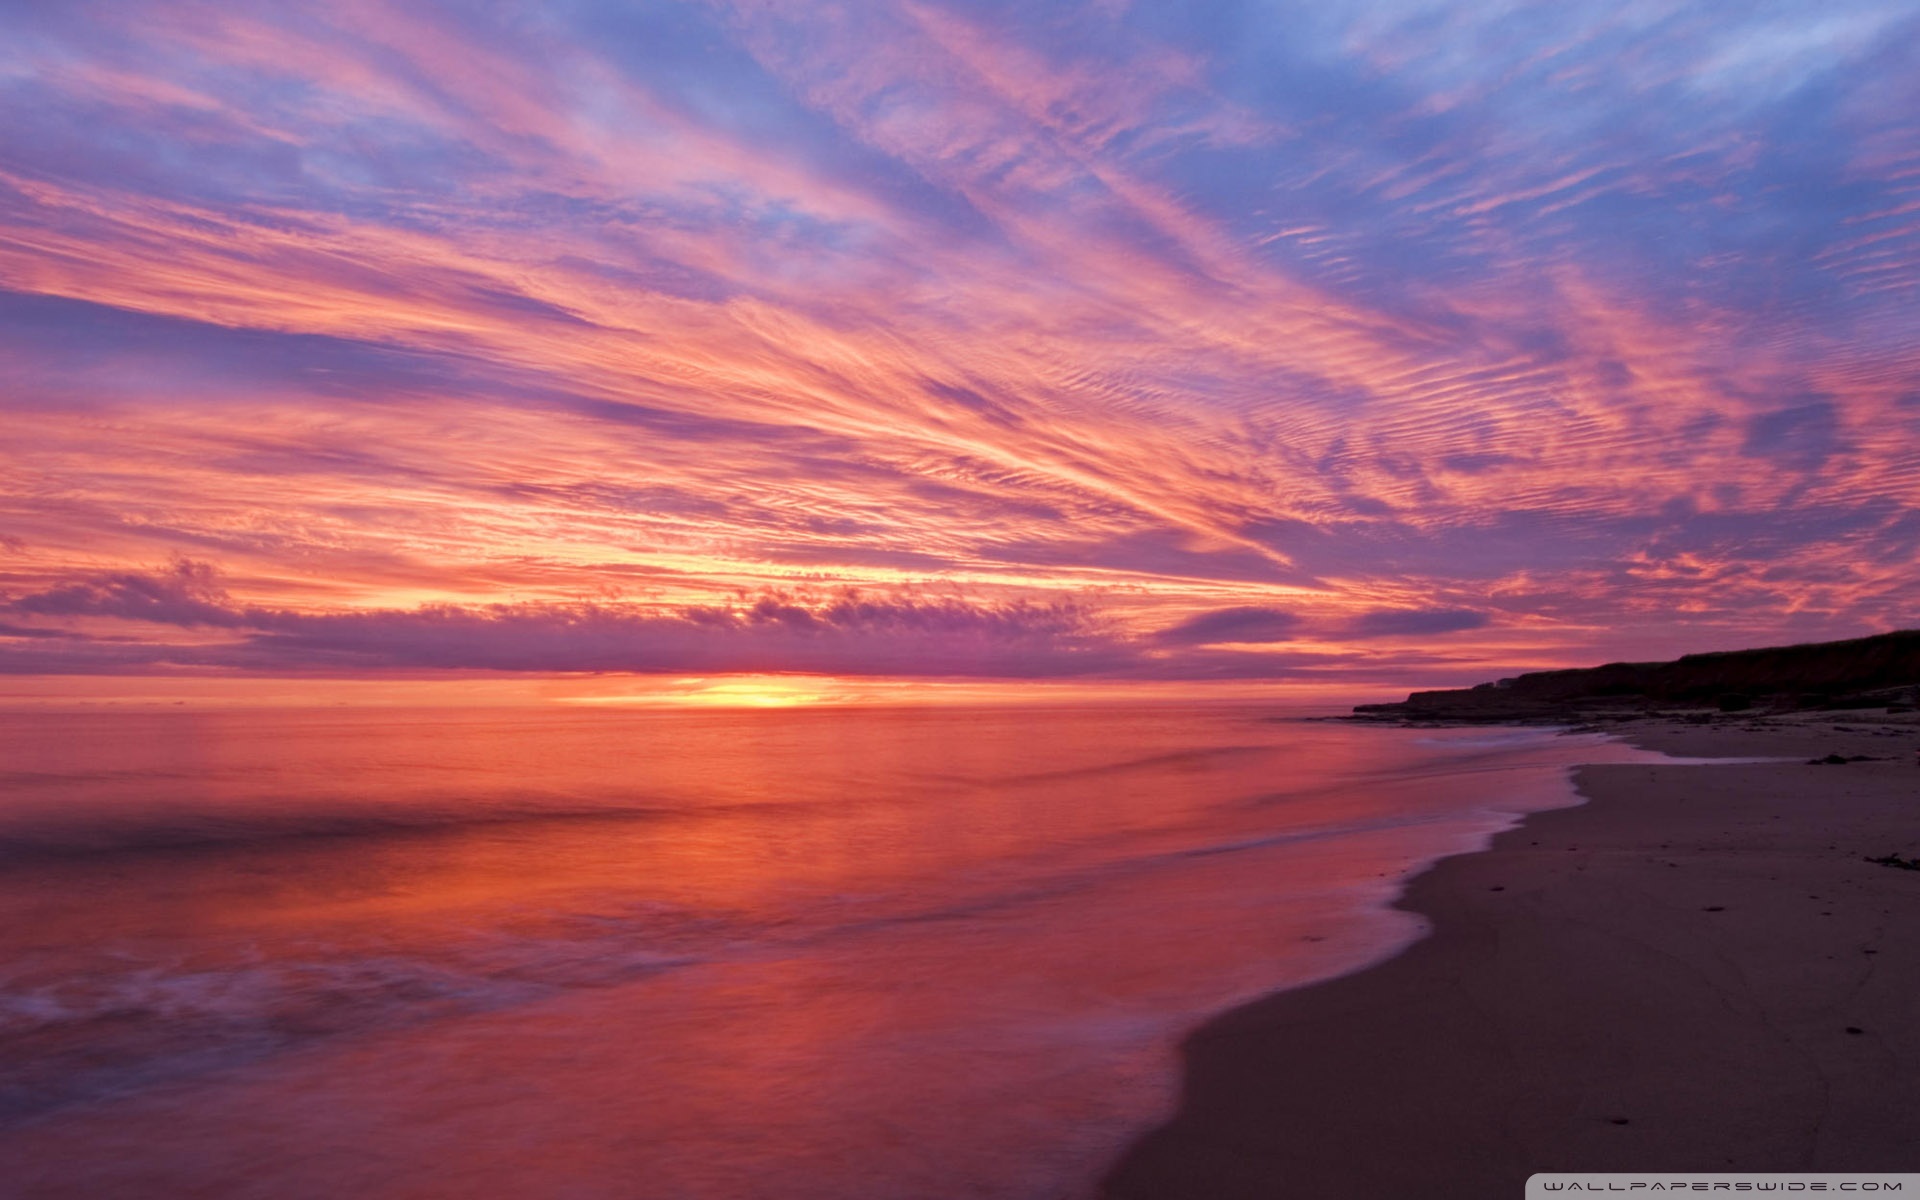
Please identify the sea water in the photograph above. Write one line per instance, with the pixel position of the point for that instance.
(915, 952)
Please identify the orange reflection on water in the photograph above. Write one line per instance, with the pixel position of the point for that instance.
(732, 952)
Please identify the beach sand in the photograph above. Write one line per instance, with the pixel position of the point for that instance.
(1695, 971)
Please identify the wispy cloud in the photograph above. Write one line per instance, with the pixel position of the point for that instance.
(1314, 328)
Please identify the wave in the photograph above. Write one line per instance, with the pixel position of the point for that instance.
(63, 779)
(37, 839)
(1174, 758)
(31, 839)
(122, 1028)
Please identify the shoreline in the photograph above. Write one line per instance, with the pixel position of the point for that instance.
(1695, 969)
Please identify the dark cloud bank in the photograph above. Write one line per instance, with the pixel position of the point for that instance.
(845, 633)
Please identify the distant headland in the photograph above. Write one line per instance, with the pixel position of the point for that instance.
(1882, 671)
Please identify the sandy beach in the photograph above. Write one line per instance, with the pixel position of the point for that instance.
(1697, 970)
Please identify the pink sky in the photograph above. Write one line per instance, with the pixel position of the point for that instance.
(959, 344)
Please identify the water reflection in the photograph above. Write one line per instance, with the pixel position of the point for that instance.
(715, 953)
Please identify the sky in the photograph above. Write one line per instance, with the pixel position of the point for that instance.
(1028, 344)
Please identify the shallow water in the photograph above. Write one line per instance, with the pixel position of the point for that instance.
(731, 953)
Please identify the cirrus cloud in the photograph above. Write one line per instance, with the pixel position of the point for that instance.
(562, 326)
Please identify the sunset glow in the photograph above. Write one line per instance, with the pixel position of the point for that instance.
(818, 354)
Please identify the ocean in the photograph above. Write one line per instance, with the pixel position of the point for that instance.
(704, 953)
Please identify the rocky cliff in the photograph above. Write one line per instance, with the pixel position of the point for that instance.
(1862, 672)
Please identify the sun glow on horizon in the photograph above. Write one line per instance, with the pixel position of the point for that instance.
(750, 691)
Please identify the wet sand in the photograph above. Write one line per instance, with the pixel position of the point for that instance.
(1695, 971)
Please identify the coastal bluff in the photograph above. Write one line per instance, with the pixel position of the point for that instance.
(1869, 672)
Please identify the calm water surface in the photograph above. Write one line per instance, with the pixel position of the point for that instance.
(727, 954)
